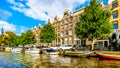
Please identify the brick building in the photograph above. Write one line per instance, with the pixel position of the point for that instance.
(36, 30)
(65, 26)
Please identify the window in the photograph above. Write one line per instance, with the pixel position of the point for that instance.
(114, 4)
(75, 23)
(58, 33)
(62, 28)
(66, 41)
(70, 25)
(62, 40)
(75, 36)
(58, 28)
(61, 22)
(62, 34)
(58, 39)
(66, 32)
(66, 26)
(66, 21)
(70, 40)
(115, 25)
(115, 14)
(70, 19)
(70, 32)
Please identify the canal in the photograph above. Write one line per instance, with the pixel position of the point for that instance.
(20, 60)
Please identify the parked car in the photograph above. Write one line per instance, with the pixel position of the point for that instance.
(54, 47)
(43, 47)
(65, 47)
(81, 47)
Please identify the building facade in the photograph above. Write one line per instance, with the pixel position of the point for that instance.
(115, 18)
(65, 26)
(36, 32)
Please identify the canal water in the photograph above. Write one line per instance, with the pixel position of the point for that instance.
(21, 60)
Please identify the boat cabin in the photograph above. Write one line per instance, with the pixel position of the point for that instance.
(100, 44)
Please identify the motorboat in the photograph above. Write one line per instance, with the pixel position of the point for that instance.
(52, 51)
(32, 50)
(16, 49)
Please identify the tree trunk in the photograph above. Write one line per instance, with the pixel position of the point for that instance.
(92, 44)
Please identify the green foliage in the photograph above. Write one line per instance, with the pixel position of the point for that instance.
(7, 38)
(27, 38)
(10, 38)
(16, 40)
(47, 34)
(11, 34)
(94, 22)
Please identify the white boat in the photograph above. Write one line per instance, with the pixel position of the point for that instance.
(52, 52)
(33, 50)
(16, 49)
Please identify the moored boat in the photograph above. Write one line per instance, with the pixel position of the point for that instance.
(52, 52)
(33, 50)
(78, 54)
(107, 56)
(16, 49)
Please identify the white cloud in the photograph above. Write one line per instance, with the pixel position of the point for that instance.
(7, 26)
(4, 14)
(23, 29)
(37, 8)
(11, 27)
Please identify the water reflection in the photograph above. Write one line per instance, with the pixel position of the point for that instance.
(110, 63)
(55, 61)
(19, 60)
(16, 60)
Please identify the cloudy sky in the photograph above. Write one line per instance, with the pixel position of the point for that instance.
(21, 15)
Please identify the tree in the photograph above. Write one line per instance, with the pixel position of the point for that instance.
(7, 37)
(47, 34)
(27, 38)
(94, 22)
(16, 40)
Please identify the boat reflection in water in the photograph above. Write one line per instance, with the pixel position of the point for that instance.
(55, 61)
(19, 60)
(52, 61)
(110, 63)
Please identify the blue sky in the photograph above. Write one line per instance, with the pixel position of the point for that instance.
(21, 15)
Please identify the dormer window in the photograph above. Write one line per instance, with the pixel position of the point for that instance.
(66, 16)
(114, 4)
